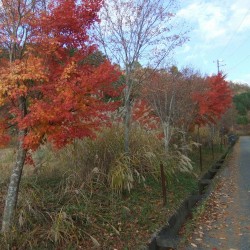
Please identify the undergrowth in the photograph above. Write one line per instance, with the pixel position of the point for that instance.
(90, 194)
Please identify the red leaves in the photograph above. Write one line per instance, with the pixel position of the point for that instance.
(72, 107)
(29, 160)
(214, 102)
(4, 138)
(144, 115)
(65, 24)
(66, 95)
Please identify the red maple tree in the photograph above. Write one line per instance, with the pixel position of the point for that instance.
(49, 88)
(214, 101)
(64, 93)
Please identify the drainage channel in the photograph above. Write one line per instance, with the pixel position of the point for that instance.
(167, 238)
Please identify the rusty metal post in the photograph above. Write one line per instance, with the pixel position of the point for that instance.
(200, 149)
(212, 148)
(163, 185)
(200, 153)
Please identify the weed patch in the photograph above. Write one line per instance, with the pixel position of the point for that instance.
(67, 200)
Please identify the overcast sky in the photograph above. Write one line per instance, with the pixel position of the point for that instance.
(219, 30)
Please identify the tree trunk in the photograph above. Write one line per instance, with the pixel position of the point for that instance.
(167, 136)
(11, 198)
(184, 138)
(12, 194)
(127, 125)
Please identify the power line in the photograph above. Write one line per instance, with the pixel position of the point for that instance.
(240, 62)
(235, 32)
(236, 49)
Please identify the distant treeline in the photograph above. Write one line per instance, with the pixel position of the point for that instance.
(242, 104)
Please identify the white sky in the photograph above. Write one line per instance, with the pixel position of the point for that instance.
(219, 29)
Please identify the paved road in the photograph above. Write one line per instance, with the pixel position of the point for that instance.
(226, 224)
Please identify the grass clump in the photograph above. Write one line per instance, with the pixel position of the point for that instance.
(103, 159)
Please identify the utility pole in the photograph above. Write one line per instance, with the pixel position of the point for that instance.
(219, 65)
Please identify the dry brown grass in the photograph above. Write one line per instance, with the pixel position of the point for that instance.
(67, 201)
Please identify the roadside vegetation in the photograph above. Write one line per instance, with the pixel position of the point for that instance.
(73, 198)
(93, 123)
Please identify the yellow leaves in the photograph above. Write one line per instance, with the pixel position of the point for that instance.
(16, 77)
(69, 71)
(28, 69)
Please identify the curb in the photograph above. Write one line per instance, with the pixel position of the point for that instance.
(167, 237)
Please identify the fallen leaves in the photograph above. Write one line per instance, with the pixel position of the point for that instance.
(223, 218)
(198, 239)
(193, 245)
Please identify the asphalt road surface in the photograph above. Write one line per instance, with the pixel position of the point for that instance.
(226, 223)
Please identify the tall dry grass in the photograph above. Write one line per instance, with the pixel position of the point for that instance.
(71, 196)
(103, 159)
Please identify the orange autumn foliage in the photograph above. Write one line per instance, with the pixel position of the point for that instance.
(214, 102)
(64, 93)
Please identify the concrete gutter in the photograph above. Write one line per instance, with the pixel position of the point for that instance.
(167, 237)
